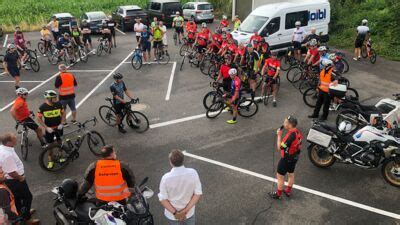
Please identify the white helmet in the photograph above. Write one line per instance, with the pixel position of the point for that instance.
(10, 46)
(345, 127)
(224, 17)
(327, 63)
(298, 23)
(204, 25)
(313, 42)
(364, 22)
(50, 94)
(232, 72)
(21, 91)
(322, 48)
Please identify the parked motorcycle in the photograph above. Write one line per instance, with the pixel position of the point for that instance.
(368, 147)
(69, 210)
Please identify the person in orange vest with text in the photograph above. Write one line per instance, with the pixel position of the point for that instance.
(289, 148)
(109, 177)
(66, 83)
(325, 79)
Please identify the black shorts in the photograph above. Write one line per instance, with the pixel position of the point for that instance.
(296, 45)
(30, 123)
(286, 166)
(87, 39)
(146, 46)
(268, 79)
(201, 48)
(157, 44)
(119, 108)
(179, 30)
(50, 136)
(358, 43)
(252, 75)
(107, 36)
(226, 84)
(14, 71)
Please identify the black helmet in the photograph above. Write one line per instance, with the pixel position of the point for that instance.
(117, 76)
(69, 188)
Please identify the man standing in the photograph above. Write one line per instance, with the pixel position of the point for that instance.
(165, 37)
(157, 40)
(297, 39)
(153, 24)
(289, 148)
(13, 169)
(180, 190)
(54, 28)
(362, 35)
(12, 63)
(66, 83)
(7, 201)
(86, 31)
(111, 26)
(236, 85)
(178, 24)
(272, 66)
(236, 23)
(138, 28)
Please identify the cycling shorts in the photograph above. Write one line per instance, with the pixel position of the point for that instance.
(268, 79)
(119, 108)
(286, 166)
(30, 123)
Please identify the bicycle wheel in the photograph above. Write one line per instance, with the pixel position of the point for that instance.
(137, 121)
(372, 58)
(215, 109)
(310, 97)
(267, 94)
(213, 71)
(41, 48)
(34, 64)
(364, 52)
(183, 61)
(31, 55)
(95, 142)
(346, 65)
(1, 62)
(107, 114)
(210, 98)
(83, 55)
(204, 65)
(53, 58)
(285, 63)
(184, 48)
(351, 93)
(100, 49)
(291, 73)
(136, 62)
(248, 108)
(163, 57)
(24, 145)
(58, 155)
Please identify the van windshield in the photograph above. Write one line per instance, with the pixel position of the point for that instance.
(253, 23)
(172, 7)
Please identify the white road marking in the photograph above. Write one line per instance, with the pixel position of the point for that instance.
(171, 80)
(88, 71)
(22, 81)
(100, 83)
(149, 62)
(167, 123)
(120, 31)
(2, 74)
(298, 187)
(5, 41)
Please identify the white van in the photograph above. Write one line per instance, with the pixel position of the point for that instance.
(276, 22)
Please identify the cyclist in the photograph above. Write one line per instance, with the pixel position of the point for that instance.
(216, 42)
(11, 64)
(54, 27)
(224, 74)
(191, 26)
(362, 35)
(20, 112)
(323, 55)
(153, 23)
(237, 23)
(312, 35)
(86, 39)
(118, 89)
(236, 86)
(50, 117)
(255, 40)
(165, 37)
(65, 47)
(105, 30)
(20, 44)
(45, 36)
(76, 37)
(297, 39)
(240, 55)
(339, 66)
(111, 26)
(252, 62)
(272, 66)
(312, 58)
(178, 24)
(145, 44)
(157, 39)
(224, 22)
(202, 40)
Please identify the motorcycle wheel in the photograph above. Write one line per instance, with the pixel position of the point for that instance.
(391, 172)
(320, 157)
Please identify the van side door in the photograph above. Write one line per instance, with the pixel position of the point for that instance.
(271, 31)
(290, 20)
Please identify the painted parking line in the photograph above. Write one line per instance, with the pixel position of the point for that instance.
(88, 71)
(298, 187)
(171, 80)
(22, 81)
(120, 31)
(2, 74)
(5, 41)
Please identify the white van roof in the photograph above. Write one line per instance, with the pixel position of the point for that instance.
(164, 1)
(269, 10)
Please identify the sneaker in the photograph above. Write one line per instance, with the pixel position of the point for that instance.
(33, 222)
(313, 116)
(50, 165)
(227, 108)
(62, 160)
(44, 55)
(274, 103)
(74, 121)
(288, 194)
(231, 121)
(122, 130)
(274, 195)
(32, 211)
(259, 100)
(65, 124)
(355, 59)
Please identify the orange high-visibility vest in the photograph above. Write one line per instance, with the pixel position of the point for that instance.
(325, 79)
(12, 201)
(109, 183)
(67, 84)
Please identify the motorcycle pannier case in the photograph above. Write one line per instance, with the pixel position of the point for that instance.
(319, 138)
(338, 91)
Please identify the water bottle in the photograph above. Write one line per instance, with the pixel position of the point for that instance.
(68, 147)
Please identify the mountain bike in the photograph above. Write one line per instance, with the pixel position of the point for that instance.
(135, 120)
(247, 107)
(137, 60)
(68, 151)
(368, 51)
(103, 47)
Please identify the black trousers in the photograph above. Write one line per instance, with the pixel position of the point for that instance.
(323, 99)
(22, 196)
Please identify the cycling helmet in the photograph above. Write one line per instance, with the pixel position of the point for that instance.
(224, 17)
(66, 34)
(118, 76)
(313, 42)
(322, 48)
(144, 27)
(345, 127)
(204, 25)
(232, 72)
(364, 22)
(50, 94)
(332, 57)
(298, 23)
(327, 63)
(10, 46)
(274, 54)
(21, 91)
(69, 188)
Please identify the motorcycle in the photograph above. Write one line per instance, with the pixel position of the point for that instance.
(368, 147)
(68, 209)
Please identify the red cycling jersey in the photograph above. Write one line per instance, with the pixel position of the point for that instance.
(202, 38)
(224, 70)
(217, 38)
(255, 40)
(224, 23)
(232, 48)
(272, 65)
(241, 51)
(315, 53)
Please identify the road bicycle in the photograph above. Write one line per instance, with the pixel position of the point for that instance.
(187, 45)
(137, 58)
(288, 60)
(55, 57)
(32, 59)
(268, 89)
(24, 145)
(43, 49)
(310, 96)
(162, 56)
(103, 47)
(211, 97)
(135, 120)
(81, 53)
(68, 151)
(368, 52)
(247, 107)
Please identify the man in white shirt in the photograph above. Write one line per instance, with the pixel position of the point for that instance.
(165, 37)
(362, 35)
(138, 28)
(297, 38)
(180, 190)
(54, 28)
(13, 169)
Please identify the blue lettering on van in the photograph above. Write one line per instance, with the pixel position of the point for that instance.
(317, 15)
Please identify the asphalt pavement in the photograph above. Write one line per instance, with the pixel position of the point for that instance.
(235, 162)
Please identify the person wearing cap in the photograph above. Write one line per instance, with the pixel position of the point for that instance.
(45, 36)
(177, 22)
(363, 34)
(236, 23)
(138, 28)
(65, 83)
(54, 27)
(86, 39)
(289, 148)
(11, 63)
(297, 39)
(235, 95)
(145, 44)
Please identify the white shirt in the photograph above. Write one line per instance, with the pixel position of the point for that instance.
(298, 34)
(362, 31)
(53, 27)
(138, 26)
(10, 162)
(178, 186)
(165, 39)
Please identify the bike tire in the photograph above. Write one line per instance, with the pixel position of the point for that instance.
(107, 114)
(213, 71)
(24, 146)
(364, 52)
(1, 62)
(183, 49)
(372, 58)
(204, 65)
(43, 157)
(34, 65)
(215, 109)
(346, 65)
(310, 97)
(290, 74)
(247, 108)
(95, 142)
(267, 94)
(137, 121)
(164, 59)
(209, 99)
(83, 55)
(41, 48)
(99, 50)
(136, 62)
(183, 61)
(31, 55)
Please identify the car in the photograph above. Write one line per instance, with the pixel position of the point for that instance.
(95, 20)
(199, 11)
(65, 20)
(125, 16)
(164, 10)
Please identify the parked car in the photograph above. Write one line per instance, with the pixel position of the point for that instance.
(199, 11)
(164, 10)
(65, 20)
(95, 20)
(125, 16)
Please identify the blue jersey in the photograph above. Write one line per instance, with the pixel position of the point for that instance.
(323, 57)
(118, 89)
(145, 36)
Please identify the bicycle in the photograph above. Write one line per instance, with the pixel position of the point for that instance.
(41, 46)
(247, 107)
(103, 47)
(162, 56)
(187, 44)
(268, 89)
(288, 60)
(24, 145)
(368, 51)
(211, 97)
(82, 53)
(135, 120)
(137, 60)
(32, 59)
(310, 96)
(68, 151)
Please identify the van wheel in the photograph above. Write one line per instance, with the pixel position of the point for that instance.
(123, 28)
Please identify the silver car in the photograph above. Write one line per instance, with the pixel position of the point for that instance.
(199, 11)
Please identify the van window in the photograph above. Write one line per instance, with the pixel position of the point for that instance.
(291, 19)
(272, 27)
(205, 7)
(253, 23)
(155, 6)
(171, 7)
